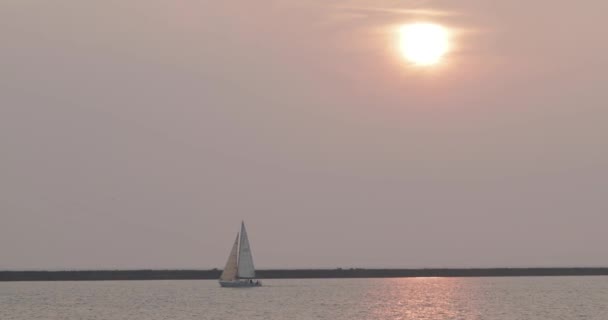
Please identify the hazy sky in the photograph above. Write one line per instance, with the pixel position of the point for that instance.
(138, 133)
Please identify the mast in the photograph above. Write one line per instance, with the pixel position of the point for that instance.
(230, 270)
(245, 267)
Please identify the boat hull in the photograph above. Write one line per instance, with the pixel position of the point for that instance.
(240, 284)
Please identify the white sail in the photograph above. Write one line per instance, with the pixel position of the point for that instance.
(230, 270)
(245, 263)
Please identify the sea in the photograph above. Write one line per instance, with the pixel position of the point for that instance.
(508, 298)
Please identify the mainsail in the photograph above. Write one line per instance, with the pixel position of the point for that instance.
(230, 270)
(245, 263)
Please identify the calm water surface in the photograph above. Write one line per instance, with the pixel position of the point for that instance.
(526, 298)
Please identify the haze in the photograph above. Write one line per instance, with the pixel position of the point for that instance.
(138, 134)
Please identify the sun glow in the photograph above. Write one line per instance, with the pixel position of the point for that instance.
(424, 43)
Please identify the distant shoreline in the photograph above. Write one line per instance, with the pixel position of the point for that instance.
(106, 275)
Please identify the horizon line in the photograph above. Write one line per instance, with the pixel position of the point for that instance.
(304, 268)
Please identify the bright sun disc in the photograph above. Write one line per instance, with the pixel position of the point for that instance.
(424, 43)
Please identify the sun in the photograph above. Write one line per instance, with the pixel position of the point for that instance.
(424, 43)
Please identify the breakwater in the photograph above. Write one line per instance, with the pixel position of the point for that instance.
(97, 275)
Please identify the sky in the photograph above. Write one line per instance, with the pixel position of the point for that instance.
(139, 133)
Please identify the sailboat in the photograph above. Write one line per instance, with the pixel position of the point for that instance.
(239, 271)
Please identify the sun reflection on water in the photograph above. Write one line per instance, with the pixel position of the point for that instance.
(421, 298)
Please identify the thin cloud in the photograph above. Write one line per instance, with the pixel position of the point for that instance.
(426, 12)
